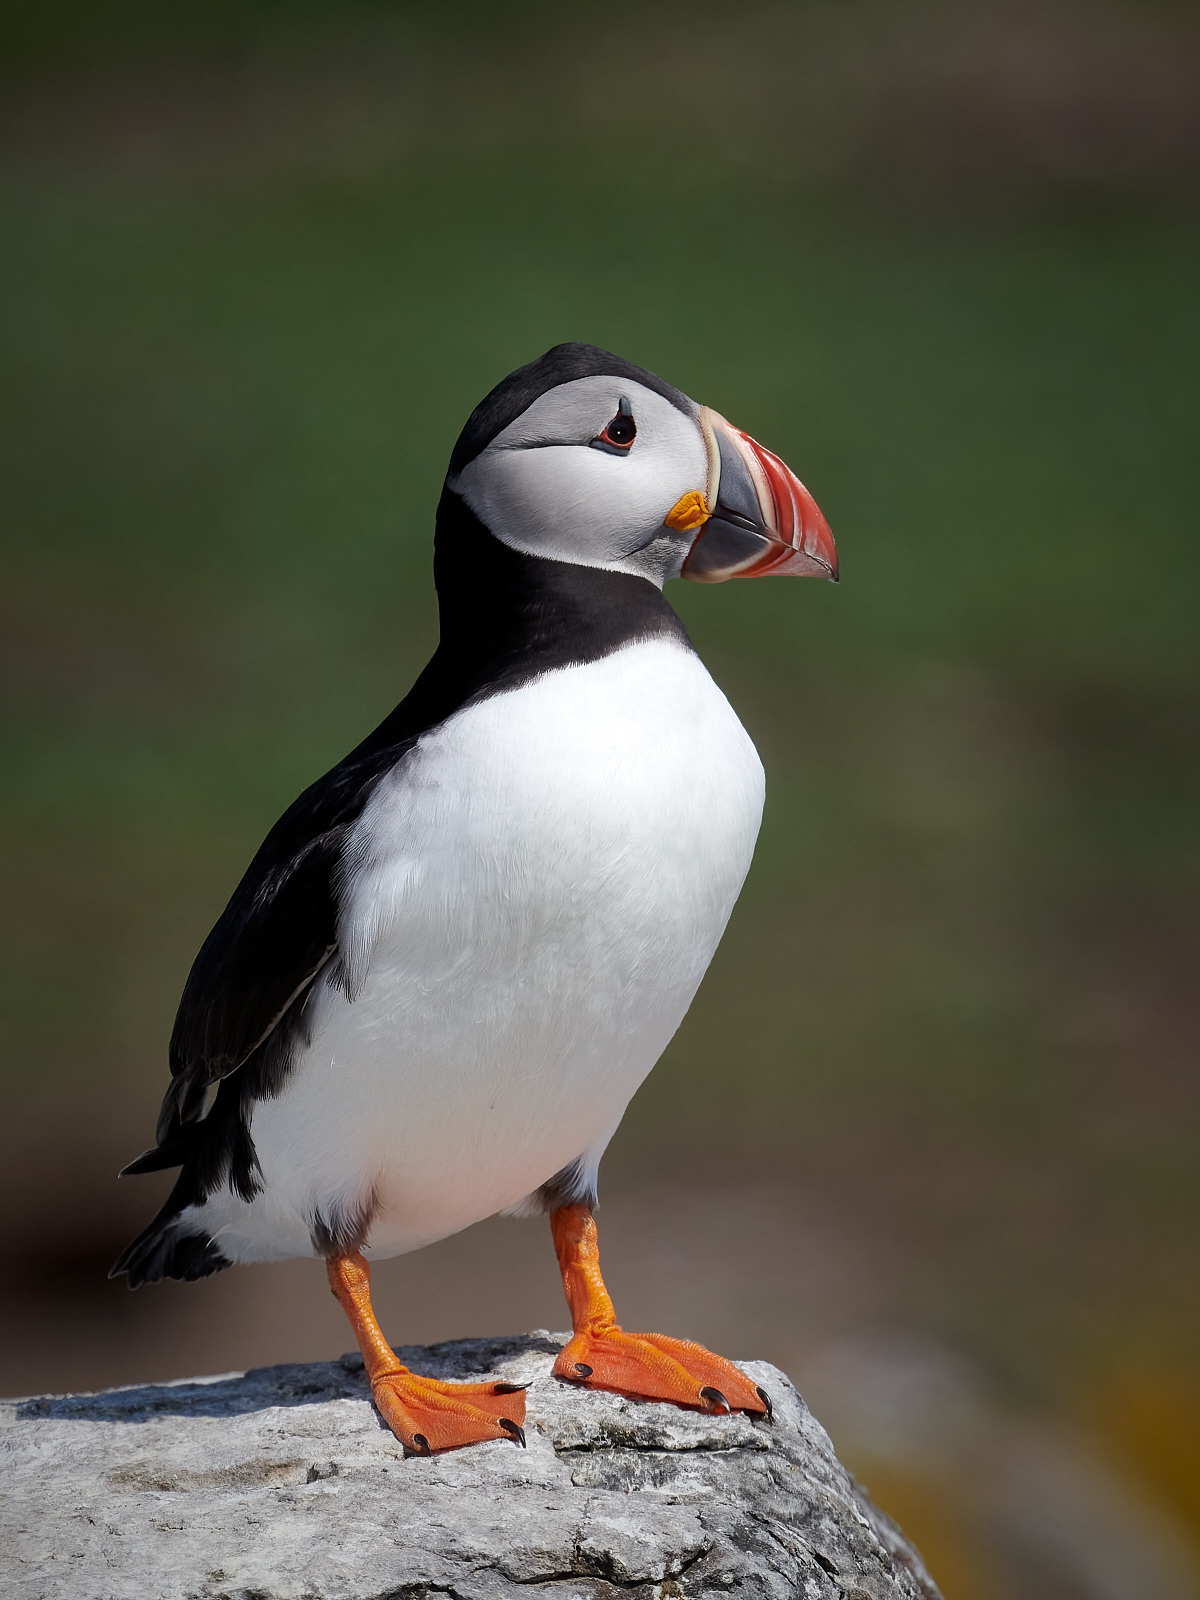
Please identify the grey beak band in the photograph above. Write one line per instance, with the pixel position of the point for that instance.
(735, 534)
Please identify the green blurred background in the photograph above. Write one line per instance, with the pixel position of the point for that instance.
(939, 1093)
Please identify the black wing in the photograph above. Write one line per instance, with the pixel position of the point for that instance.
(245, 994)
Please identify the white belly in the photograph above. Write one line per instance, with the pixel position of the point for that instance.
(534, 898)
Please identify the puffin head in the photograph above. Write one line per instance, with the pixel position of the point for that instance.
(585, 458)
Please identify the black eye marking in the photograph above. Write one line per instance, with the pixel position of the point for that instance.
(619, 434)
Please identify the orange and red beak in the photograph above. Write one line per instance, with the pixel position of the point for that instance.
(763, 522)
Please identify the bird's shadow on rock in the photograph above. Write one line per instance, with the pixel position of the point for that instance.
(311, 1383)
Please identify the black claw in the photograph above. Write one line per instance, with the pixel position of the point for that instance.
(582, 1368)
(766, 1400)
(715, 1398)
(511, 1428)
(510, 1388)
(422, 1444)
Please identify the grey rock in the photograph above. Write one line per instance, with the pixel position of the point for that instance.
(283, 1484)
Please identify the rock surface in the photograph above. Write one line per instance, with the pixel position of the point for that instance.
(282, 1484)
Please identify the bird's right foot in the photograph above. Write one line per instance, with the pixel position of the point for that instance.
(425, 1414)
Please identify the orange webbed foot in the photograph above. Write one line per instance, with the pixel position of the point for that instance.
(652, 1366)
(427, 1415)
(644, 1366)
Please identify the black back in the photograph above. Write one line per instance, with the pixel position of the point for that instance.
(506, 618)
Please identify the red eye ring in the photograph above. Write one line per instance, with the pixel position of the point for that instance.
(619, 434)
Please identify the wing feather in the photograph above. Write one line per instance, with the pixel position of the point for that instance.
(273, 940)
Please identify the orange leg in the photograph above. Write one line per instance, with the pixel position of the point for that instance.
(646, 1366)
(424, 1413)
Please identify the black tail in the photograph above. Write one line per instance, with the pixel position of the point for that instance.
(168, 1249)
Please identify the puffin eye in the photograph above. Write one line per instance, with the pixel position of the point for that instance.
(619, 434)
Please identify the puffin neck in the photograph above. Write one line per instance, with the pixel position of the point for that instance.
(507, 617)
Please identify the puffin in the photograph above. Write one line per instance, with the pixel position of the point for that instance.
(457, 955)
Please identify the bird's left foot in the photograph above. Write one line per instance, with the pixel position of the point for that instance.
(651, 1366)
(646, 1366)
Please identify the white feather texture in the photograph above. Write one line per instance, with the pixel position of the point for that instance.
(532, 899)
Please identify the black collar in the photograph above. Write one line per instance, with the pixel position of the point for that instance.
(506, 617)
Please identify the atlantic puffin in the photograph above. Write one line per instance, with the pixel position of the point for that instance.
(456, 956)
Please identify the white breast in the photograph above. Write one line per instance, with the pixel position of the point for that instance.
(532, 900)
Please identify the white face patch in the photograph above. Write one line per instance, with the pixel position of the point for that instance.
(541, 486)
